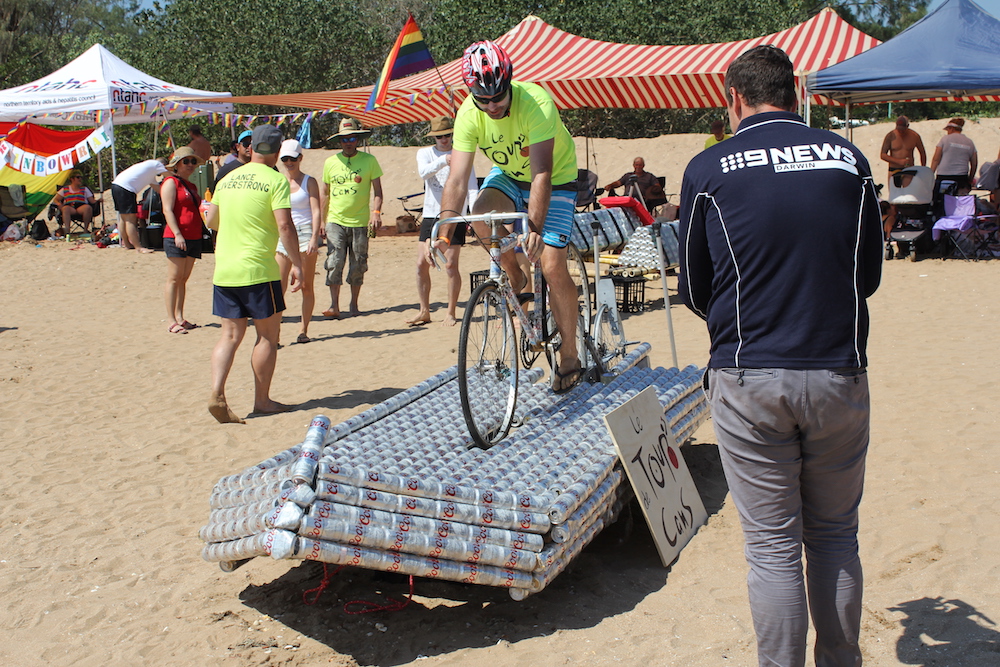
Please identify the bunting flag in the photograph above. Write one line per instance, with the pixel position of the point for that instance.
(409, 55)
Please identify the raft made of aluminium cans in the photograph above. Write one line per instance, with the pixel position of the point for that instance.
(400, 488)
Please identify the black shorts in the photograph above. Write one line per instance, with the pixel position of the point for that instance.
(125, 201)
(193, 248)
(427, 225)
(257, 301)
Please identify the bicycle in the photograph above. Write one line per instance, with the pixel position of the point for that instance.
(489, 349)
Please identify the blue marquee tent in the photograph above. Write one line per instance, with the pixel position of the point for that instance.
(953, 53)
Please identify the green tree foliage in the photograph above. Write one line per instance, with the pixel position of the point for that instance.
(882, 19)
(39, 36)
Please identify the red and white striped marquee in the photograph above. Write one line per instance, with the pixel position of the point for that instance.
(585, 73)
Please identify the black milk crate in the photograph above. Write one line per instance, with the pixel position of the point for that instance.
(477, 278)
(630, 292)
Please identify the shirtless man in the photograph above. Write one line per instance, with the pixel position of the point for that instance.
(898, 146)
(897, 150)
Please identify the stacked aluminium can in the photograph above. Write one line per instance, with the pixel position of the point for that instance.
(398, 488)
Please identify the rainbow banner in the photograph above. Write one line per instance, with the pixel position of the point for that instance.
(40, 158)
(409, 55)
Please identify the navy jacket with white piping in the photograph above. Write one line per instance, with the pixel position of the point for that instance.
(781, 243)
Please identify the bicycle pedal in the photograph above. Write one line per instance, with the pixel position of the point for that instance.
(525, 297)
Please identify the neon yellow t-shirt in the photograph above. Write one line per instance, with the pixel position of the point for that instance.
(248, 232)
(350, 180)
(711, 141)
(533, 118)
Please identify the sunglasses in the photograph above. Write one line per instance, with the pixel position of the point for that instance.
(349, 140)
(496, 99)
(189, 160)
(289, 158)
(245, 143)
(443, 136)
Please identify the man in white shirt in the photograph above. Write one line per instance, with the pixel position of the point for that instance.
(124, 189)
(433, 164)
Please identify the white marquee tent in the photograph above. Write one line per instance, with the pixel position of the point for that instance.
(96, 85)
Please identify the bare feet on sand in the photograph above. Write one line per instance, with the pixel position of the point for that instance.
(449, 321)
(420, 320)
(271, 408)
(145, 251)
(332, 313)
(355, 312)
(219, 409)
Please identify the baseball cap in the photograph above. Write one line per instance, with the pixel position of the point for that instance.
(245, 134)
(290, 148)
(266, 140)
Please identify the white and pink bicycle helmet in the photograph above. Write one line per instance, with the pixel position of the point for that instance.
(486, 69)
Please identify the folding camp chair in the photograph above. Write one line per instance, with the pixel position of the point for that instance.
(410, 221)
(967, 233)
(76, 220)
(12, 203)
(587, 190)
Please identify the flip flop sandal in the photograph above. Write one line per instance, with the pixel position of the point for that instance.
(176, 329)
(188, 325)
(302, 338)
(576, 374)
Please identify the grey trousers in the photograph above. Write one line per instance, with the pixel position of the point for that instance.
(793, 446)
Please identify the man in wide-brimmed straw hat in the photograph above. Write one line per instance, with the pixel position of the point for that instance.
(433, 165)
(350, 180)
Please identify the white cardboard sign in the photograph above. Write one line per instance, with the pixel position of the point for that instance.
(658, 474)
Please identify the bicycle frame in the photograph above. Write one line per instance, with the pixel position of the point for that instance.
(498, 245)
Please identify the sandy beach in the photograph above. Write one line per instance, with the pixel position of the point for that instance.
(111, 456)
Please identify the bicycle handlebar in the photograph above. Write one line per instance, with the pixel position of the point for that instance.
(492, 218)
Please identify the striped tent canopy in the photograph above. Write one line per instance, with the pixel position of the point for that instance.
(586, 73)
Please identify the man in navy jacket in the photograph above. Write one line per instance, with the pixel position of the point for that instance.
(781, 243)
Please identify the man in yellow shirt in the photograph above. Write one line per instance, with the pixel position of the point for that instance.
(718, 134)
(251, 210)
(349, 177)
(517, 126)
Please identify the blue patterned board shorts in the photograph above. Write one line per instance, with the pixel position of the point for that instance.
(562, 205)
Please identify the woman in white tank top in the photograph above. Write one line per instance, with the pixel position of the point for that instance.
(307, 221)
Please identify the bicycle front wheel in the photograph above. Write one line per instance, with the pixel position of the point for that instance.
(487, 366)
(609, 337)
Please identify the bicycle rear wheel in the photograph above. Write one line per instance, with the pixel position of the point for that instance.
(487, 366)
(609, 337)
(578, 272)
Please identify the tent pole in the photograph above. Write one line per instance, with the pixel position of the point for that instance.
(849, 131)
(657, 226)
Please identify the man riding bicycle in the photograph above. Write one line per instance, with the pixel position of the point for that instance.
(517, 126)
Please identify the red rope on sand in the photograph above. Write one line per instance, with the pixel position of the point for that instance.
(369, 607)
(322, 586)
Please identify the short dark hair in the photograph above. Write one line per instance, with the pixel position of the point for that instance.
(763, 75)
(195, 130)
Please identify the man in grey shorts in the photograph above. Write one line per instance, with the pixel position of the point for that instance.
(782, 284)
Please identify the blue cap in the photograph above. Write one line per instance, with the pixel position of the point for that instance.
(246, 134)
